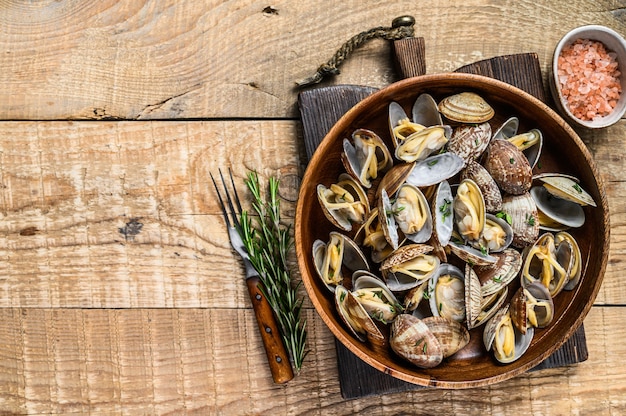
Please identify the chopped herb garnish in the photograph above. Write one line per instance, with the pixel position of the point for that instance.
(530, 220)
(578, 188)
(506, 217)
(511, 161)
(433, 162)
(483, 250)
(342, 296)
(424, 348)
(445, 209)
(378, 294)
(498, 279)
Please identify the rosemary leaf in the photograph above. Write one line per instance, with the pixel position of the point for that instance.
(268, 243)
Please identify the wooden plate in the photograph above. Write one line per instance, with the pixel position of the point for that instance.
(563, 152)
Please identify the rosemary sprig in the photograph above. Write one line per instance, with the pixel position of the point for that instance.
(268, 246)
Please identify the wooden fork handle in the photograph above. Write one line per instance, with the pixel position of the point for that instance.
(277, 356)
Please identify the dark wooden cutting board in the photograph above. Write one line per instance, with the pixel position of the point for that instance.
(320, 108)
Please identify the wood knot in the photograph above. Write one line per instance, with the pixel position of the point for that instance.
(131, 229)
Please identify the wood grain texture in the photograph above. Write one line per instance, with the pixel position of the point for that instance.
(155, 59)
(160, 361)
(122, 214)
(119, 214)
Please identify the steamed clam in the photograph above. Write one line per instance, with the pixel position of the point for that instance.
(469, 210)
(508, 166)
(566, 187)
(375, 297)
(356, 317)
(411, 339)
(447, 293)
(469, 141)
(550, 262)
(500, 336)
(409, 266)
(423, 143)
(532, 306)
(371, 235)
(466, 107)
(344, 202)
(338, 254)
(487, 185)
(366, 156)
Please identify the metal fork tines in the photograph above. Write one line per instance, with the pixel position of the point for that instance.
(277, 356)
(231, 209)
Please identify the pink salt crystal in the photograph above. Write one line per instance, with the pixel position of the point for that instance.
(589, 79)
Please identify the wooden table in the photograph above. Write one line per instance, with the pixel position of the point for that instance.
(119, 292)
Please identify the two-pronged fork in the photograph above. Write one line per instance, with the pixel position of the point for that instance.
(277, 356)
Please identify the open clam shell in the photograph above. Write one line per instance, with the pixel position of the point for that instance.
(400, 125)
(411, 212)
(555, 212)
(566, 187)
(387, 220)
(469, 210)
(338, 255)
(547, 263)
(487, 185)
(574, 270)
(443, 217)
(532, 306)
(375, 297)
(425, 111)
(372, 236)
(478, 308)
(343, 203)
(447, 293)
(356, 318)
(503, 339)
(409, 266)
(423, 143)
(435, 169)
(366, 157)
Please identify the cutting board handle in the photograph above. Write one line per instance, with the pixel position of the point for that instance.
(408, 56)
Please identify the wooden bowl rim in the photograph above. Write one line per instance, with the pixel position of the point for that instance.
(343, 123)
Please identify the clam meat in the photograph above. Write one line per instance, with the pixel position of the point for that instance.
(344, 202)
(366, 157)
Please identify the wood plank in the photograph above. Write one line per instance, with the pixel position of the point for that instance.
(73, 192)
(157, 361)
(148, 59)
(122, 214)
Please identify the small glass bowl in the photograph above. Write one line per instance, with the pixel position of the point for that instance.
(614, 42)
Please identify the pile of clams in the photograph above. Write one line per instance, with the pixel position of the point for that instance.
(448, 235)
